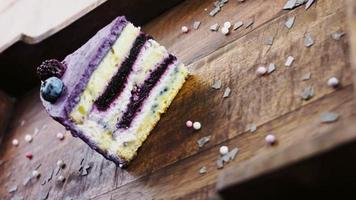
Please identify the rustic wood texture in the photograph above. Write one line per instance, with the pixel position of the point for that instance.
(167, 165)
(6, 105)
(351, 5)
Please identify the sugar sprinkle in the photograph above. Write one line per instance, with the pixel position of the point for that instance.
(289, 61)
(329, 117)
(227, 92)
(289, 22)
(217, 84)
(202, 141)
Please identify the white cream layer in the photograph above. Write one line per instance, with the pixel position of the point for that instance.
(105, 71)
(125, 142)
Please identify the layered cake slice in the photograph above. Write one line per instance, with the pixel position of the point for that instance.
(112, 91)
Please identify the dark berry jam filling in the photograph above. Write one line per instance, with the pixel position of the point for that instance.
(141, 93)
(117, 83)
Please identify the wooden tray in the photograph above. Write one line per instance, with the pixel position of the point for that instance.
(167, 165)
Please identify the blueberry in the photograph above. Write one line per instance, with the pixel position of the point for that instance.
(51, 89)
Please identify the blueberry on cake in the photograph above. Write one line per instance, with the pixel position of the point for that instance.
(112, 90)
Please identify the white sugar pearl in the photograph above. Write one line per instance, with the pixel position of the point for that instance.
(184, 29)
(15, 142)
(270, 139)
(333, 82)
(28, 138)
(261, 70)
(60, 136)
(197, 125)
(224, 150)
(61, 178)
(227, 25)
(60, 164)
(189, 123)
(225, 30)
(35, 174)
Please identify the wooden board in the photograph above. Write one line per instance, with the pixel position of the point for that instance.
(167, 166)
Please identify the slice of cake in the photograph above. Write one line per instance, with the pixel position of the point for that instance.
(112, 91)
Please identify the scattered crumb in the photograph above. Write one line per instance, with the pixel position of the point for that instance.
(253, 128)
(36, 131)
(202, 141)
(237, 25)
(271, 68)
(308, 40)
(289, 61)
(290, 22)
(214, 27)
(337, 35)
(12, 189)
(202, 170)
(307, 93)
(309, 4)
(329, 117)
(17, 198)
(231, 155)
(291, 4)
(217, 84)
(196, 24)
(269, 40)
(249, 23)
(306, 76)
(227, 92)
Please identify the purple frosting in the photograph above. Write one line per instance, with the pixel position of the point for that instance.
(80, 66)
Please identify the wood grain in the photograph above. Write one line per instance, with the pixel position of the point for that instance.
(183, 178)
(351, 11)
(167, 165)
(6, 105)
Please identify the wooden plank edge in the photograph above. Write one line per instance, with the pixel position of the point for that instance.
(346, 132)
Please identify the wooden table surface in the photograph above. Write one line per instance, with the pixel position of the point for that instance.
(167, 165)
